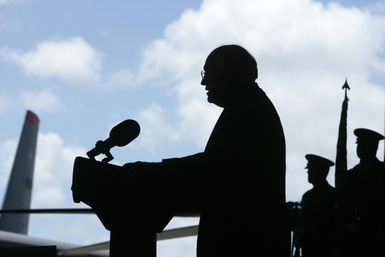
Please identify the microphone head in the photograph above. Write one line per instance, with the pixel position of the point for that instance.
(124, 132)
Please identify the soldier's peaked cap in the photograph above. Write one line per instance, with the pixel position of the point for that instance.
(367, 134)
(319, 160)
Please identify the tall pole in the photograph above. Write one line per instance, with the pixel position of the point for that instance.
(341, 156)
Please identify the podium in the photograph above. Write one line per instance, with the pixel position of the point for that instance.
(132, 214)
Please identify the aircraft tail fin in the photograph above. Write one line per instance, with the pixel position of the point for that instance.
(19, 188)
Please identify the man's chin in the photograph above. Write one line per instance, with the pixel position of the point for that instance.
(215, 101)
(210, 98)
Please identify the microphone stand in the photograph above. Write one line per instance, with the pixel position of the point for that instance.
(136, 242)
(106, 151)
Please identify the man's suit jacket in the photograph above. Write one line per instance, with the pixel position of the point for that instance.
(237, 184)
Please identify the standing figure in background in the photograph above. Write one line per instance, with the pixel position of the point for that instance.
(361, 201)
(318, 210)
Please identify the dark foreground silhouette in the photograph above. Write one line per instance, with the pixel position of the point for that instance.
(236, 185)
(361, 202)
(318, 234)
(348, 221)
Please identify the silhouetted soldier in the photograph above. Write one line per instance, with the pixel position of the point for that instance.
(318, 209)
(361, 204)
(237, 184)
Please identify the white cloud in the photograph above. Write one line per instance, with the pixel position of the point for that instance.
(73, 60)
(44, 100)
(304, 50)
(155, 128)
(53, 171)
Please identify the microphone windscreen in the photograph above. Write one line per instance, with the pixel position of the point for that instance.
(124, 132)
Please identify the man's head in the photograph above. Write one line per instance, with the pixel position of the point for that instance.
(228, 69)
(367, 143)
(318, 168)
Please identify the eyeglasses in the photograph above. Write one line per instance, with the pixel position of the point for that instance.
(211, 73)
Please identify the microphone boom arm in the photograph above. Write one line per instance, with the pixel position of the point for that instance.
(103, 150)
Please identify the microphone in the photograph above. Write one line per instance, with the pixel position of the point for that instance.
(120, 135)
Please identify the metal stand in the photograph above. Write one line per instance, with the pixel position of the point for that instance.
(125, 243)
(133, 233)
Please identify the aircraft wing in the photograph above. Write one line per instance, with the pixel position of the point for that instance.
(10, 239)
(165, 235)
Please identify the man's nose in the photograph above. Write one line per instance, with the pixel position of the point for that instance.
(203, 81)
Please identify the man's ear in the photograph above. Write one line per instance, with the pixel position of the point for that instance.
(227, 81)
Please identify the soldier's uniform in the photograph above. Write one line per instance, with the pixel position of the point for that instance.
(318, 210)
(362, 201)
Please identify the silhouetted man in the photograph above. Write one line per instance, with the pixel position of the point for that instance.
(362, 200)
(318, 209)
(237, 184)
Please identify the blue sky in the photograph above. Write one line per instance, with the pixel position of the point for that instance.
(84, 66)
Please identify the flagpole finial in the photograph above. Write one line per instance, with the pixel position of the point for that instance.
(346, 87)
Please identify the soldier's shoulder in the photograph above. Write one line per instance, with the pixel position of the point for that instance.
(308, 194)
(380, 163)
(353, 171)
(380, 167)
(352, 177)
(331, 189)
(354, 168)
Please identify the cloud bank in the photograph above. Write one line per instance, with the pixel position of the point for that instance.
(304, 49)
